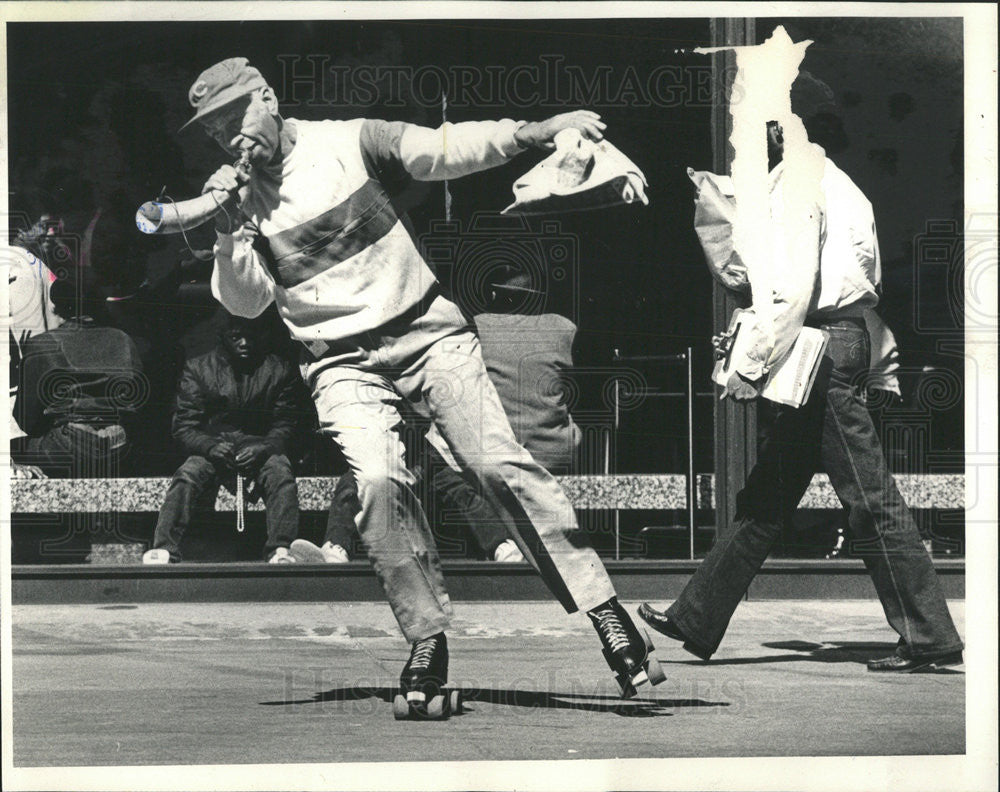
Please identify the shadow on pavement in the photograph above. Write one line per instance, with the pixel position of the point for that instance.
(859, 652)
(809, 652)
(629, 708)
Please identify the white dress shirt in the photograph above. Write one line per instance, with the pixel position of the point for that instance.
(826, 264)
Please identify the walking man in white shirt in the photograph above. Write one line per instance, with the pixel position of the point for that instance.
(312, 228)
(826, 275)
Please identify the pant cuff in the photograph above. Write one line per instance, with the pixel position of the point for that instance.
(425, 628)
(594, 599)
(690, 636)
(934, 651)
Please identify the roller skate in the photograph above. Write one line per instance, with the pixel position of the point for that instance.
(423, 695)
(629, 653)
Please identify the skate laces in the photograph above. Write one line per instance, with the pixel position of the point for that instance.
(422, 653)
(611, 627)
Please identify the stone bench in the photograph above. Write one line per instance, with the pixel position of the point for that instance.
(666, 491)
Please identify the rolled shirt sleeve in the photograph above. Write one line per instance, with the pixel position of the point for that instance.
(448, 152)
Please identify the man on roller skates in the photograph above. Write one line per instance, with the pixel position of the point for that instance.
(312, 227)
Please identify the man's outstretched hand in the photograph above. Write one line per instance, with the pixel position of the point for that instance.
(541, 134)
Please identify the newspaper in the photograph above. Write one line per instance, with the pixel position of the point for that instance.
(791, 379)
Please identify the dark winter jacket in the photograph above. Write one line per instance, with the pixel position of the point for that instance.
(213, 399)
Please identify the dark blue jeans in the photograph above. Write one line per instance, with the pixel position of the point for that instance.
(834, 431)
(198, 476)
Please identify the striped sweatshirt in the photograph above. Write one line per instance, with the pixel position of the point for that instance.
(322, 239)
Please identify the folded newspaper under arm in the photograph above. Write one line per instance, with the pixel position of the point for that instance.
(791, 379)
(579, 175)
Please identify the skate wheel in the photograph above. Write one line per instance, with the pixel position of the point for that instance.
(437, 707)
(400, 707)
(455, 702)
(655, 671)
(649, 643)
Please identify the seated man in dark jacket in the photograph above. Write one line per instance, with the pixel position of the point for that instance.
(238, 412)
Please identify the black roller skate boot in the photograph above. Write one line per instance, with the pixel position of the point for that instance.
(422, 684)
(628, 652)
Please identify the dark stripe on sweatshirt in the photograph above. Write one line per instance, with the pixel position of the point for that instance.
(314, 246)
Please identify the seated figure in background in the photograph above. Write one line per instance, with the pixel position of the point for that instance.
(238, 413)
(79, 385)
(30, 312)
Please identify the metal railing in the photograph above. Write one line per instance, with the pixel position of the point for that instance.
(674, 359)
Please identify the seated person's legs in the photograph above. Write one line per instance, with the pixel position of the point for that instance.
(340, 527)
(192, 478)
(46, 453)
(73, 450)
(281, 501)
(344, 506)
(456, 494)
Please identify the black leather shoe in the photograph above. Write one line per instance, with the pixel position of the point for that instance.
(896, 663)
(662, 623)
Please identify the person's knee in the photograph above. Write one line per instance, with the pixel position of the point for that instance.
(276, 471)
(458, 491)
(345, 499)
(196, 471)
(346, 488)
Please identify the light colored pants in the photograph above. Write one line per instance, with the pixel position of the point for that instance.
(433, 360)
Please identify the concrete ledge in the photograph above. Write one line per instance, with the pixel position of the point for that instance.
(658, 581)
(668, 491)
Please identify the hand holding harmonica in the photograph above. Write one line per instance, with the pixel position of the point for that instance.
(219, 199)
(224, 186)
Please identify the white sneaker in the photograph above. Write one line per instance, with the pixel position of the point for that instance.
(508, 553)
(334, 554)
(306, 552)
(281, 556)
(157, 556)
